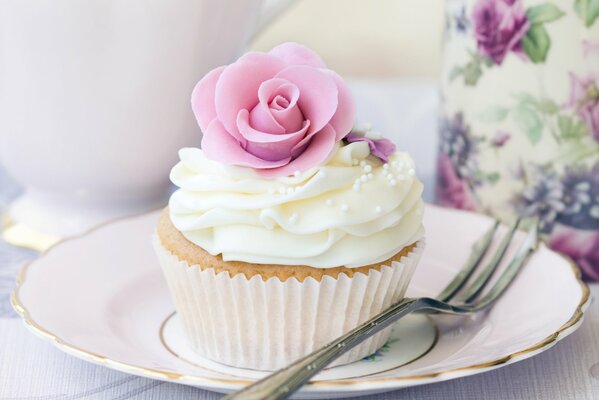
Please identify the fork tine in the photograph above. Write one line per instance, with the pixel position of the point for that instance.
(481, 280)
(479, 249)
(283, 383)
(524, 252)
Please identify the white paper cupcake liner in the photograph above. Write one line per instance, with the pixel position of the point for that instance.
(265, 325)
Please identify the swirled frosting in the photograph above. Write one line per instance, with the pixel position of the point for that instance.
(350, 211)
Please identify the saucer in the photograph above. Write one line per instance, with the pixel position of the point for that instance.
(101, 297)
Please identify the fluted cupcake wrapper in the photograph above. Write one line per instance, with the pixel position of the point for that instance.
(265, 325)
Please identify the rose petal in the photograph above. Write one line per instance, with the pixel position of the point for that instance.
(288, 116)
(300, 147)
(265, 118)
(268, 146)
(318, 94)
(381, 148)
(279, 103)
(344, 118)
(219, 145)
(261, 119)
(202, 98)
(291, 118)
(237, 88)
(297, 54)
(251, 134)
(316, 152)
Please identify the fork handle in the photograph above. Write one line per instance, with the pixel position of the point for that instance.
(284, 382)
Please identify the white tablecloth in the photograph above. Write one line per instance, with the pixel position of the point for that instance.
(32, 369)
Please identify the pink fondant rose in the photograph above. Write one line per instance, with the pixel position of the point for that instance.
(277, 112)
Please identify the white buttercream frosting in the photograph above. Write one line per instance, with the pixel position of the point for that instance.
(350, 211)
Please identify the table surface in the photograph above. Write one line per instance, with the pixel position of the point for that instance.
(32, 369)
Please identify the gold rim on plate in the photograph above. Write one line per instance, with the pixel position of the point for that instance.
(550, 340)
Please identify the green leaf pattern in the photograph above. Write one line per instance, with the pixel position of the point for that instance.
(533, 117)
(542, 13)
(587, 10)
(536, 43)
(529, 123)
(571, 128)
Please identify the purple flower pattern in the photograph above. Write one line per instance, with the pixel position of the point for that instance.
(580, 197)
(541, 198)
(560, 188)
(581, 246)
(451, 190)
(457, 166)
(584, 100)
(461, 148)
(499, 27)
(500, 139)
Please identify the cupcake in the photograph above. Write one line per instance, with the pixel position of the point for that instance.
(290, 226)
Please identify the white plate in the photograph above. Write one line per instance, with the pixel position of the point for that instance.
(101, 297)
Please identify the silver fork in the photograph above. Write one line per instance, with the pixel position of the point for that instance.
(282, 383)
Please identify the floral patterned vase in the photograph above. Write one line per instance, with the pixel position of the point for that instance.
(520, 117)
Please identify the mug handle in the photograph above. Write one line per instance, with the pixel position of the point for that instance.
(271, 9)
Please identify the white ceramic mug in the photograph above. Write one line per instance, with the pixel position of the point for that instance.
(94, 99)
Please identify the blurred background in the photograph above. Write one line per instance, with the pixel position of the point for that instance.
(389, 51)
(386, 39)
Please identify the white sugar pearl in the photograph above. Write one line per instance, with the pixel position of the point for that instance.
(362, 163)
(393, 182)
(378, 209)
(411, 172)
(329, 202)
(356, 187)
(370, 176)
(385, 166)
(368, 168)
(363, 178)
(297, 174)
(344, 207)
